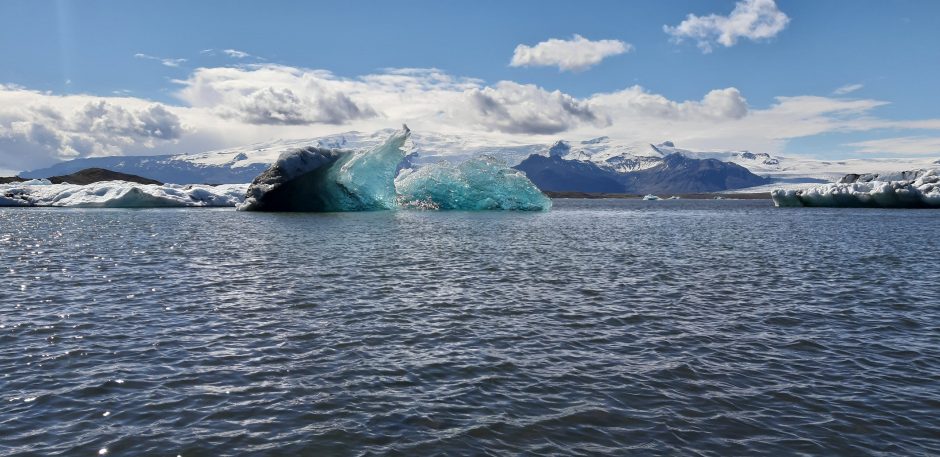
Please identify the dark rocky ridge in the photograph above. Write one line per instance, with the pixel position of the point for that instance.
(93, 175)
(88, 176)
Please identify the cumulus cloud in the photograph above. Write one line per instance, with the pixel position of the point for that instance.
(164, 61)
(847, 89)
(525, 108)
(576, 54)
(752, 19)
(38, 128)
(717, 105)
(273, 94)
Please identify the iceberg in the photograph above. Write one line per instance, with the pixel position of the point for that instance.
(320, 179)
(119, 194)
(911, 189)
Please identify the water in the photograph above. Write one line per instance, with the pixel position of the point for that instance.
(600, 327)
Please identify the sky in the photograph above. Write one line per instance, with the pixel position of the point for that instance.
(826, 79)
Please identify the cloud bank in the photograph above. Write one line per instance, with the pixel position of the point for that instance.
(229, 106)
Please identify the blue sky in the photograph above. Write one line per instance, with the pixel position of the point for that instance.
(887, 51)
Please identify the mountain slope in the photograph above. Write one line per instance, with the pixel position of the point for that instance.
(553, 173)
(680, 174)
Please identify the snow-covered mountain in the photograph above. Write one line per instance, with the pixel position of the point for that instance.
(241, 164)
(623, 158)
(674, 173)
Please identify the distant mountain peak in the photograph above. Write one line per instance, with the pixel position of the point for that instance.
(561, 148)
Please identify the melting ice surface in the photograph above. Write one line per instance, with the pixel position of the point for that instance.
(317, 179)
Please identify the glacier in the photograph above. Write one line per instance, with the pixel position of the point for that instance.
(320, 179)
(910, 189)
(119, 194)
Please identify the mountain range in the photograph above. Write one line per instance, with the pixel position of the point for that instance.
(594, 165)
(674, 173)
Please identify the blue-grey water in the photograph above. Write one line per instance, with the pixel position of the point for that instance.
(600, 327)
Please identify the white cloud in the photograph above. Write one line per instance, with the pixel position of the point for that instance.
(909, 145)
(525, 109)
(273, 95)
(576, 54)
(847, 89)
(38, 128)
(751, 19)
(164, 61)
(717, 105)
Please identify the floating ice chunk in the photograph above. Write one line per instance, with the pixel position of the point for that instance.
(478, 184)
(121, 194)
(316, 179)
(918, 189)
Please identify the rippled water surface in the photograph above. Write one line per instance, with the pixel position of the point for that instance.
(600, 327)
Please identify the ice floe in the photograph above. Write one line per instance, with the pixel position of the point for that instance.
(119, 194)
(911, 189)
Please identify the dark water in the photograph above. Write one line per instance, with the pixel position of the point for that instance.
(601, 327)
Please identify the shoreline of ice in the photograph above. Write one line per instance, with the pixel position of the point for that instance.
(908, 189)
(120, 194)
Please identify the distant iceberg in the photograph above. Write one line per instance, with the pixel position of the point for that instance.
(119, 194)
(912, 189)
(318, 179)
